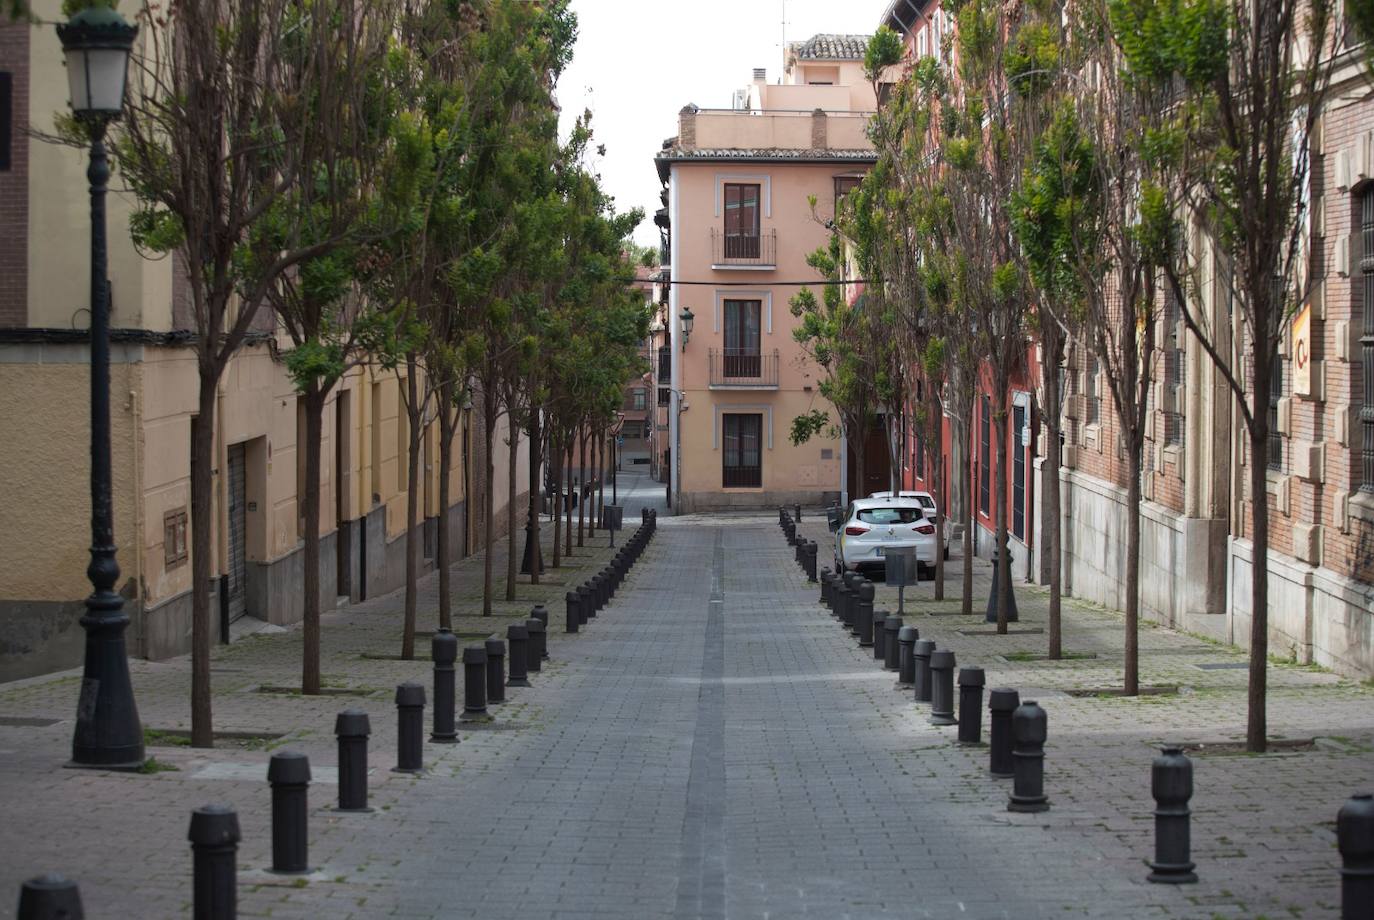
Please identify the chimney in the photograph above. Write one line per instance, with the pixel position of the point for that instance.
(818, 138)
(687, 127)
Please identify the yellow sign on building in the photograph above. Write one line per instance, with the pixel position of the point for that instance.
(1302, 351)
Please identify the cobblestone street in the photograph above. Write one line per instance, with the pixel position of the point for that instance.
(711, 745)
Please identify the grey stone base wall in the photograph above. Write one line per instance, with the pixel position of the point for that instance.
(1316, 616)
(37, 637)
(699, 502)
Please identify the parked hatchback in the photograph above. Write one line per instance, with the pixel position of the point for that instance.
(875, 525)
(928, 506)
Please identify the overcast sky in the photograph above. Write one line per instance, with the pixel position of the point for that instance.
(638, 62)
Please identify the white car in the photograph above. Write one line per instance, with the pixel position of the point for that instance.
(874, 525)
(928, 506)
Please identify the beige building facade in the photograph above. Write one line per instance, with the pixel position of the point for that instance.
(739, 185)
(259, 463)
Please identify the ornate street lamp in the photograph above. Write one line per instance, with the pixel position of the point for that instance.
(97, 42)
(687, 322)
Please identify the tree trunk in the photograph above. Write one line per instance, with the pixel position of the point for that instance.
(567, 528)
(601, 475)
(202, 503)
(592, 514)
(936, 465)
(412, 503)
(556, 457)
(536, 556)
(488, 499)
(1256, 724)
(1131, 680)
(999, 420)
(512, 539)
(446, 428)
(582, 484)
(966, 489)
(310, 632)
(1053, 345)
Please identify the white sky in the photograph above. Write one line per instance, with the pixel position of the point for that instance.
(638, 62)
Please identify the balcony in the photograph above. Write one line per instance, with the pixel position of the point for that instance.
(743, 369)
(665, 364)
(749, 253)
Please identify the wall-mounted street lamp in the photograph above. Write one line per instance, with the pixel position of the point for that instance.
(688, 320)
(97, 42)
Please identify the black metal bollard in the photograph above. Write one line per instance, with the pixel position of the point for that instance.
(541, 613)
(797, 509)
(942, 687)
(496, 670)
(840, 593)
(410, 728)
(574, 603)
(584, 607)
(906, 661)
(518, 638)
(352, 729)
(444, 648)
(289, 774)
(811, 549)
(1171, 784)
(1028, 732)
(863, 614)
(214, 837)
(892, 626)
(474, 683)
(49, 897)
(1002, 702)
(920, 653)
(598, 589)
(971, 684)
(880, 636)
(533, 658)
(1355, 840)
(825, 586)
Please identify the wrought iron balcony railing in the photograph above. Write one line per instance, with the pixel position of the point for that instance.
(745, 368)
(751, 250)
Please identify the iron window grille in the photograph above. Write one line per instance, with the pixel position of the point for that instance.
(1367, 338)
(742, 458)
(984, 450)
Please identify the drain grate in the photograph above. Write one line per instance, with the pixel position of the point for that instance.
(1223, 666)
(27, 722)
(1035, 631)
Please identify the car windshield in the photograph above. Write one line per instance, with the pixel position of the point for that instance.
(890, 515)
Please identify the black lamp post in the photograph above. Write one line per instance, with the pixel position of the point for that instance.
(97, 42)
(688, 321)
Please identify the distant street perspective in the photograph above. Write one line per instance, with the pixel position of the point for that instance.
(577, 459)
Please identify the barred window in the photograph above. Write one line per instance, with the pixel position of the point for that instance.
(1275, 394)
(1175, 371)
(1367, 338)
(985, 458)
(1091, 393)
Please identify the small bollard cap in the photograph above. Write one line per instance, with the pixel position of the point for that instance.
(474, 654)
(540, 612)
(584, 589)
(866, 591)
(214, 825)
(50, 897)
(923, 648)
(410, 694)
(517, 631)
(1004, 699)
(571, 597)
(288, 768)
(534, 626)
(444, 647)
(972, 677)
(942, 658)
(893, 623)
(908, 635)
(352, 723)
(496, 648)
(1355, 830)
(1029, 723)
(1171, 776)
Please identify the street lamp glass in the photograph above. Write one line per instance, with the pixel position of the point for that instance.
(97, 42)
(687, 320)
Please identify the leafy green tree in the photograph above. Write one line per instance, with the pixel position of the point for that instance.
(241, 78)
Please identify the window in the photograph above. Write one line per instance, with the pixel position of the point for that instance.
(742, 338)
(1174, 370)
(1275, 395)
(174, 551)
(632, 430)
(1090, 392)
(843, 186)
(1018, 473)
(1367, 337)
(891, 515)
(984, 454)
(741, 221)
(640, 399)
(6, 118)
(663, 394)
(743, 454)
